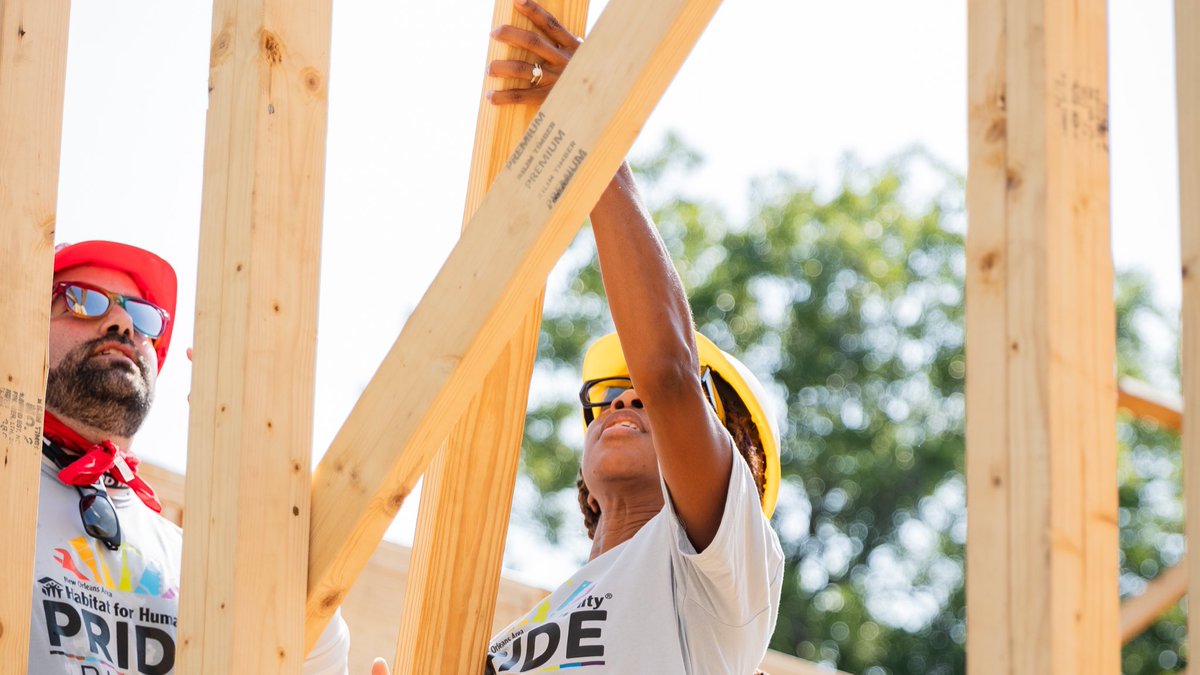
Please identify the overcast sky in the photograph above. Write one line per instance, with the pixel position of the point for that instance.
(773, 85)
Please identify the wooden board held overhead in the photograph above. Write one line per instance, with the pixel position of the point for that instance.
(33, 64)
(249, 446)
(482, 294)
(466, 496)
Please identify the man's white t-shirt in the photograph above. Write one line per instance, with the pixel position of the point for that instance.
(654, 605)
(103, 612)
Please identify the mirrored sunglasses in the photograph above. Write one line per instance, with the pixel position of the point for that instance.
(596, 395)
(99, 516)
(86, 301)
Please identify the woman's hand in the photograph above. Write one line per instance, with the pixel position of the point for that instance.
(552, 46)
(380, 667)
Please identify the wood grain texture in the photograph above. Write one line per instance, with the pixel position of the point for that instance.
(1041, 425)
(33, 62)
(491, 278)
(466, 494)
(244, 573)
(987, 461)
(1187, 80)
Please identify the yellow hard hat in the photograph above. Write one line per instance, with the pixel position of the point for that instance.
(605, 359)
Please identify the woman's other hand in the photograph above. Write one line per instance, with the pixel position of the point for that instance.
(551, 47)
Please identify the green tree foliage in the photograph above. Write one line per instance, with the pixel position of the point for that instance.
(849, 305)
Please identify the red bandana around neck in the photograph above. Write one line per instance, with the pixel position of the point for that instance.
(98, 459)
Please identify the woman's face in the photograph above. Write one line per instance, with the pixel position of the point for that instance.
(618, 445)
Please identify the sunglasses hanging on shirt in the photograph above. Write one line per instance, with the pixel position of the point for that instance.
(96, 510)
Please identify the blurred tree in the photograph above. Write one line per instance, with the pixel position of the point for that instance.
(849, 306)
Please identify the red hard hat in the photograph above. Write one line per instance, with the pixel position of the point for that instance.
(155, 278)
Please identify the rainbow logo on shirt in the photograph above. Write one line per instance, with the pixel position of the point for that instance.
(81, 559)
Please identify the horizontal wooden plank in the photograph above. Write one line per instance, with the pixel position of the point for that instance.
(1139, 398)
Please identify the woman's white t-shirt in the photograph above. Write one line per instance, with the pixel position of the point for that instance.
(655, 605)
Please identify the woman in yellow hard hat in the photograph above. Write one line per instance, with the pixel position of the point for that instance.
(680, 467)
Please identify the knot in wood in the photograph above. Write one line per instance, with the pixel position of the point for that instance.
(312, 80)
(396, 500)
(272, 48)
(220, 48)
(331, 600)
(996, 130)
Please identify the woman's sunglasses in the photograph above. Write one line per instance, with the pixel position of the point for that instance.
(596, 395)
(86, 301)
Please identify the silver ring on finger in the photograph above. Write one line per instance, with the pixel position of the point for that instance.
(537, 75)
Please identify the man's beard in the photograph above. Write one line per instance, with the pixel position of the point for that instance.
(101, 393)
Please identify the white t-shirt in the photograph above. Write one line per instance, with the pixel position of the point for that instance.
(102, 612)
(654, 605)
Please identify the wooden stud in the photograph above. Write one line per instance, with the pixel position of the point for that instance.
(494, 274)
(33, 64)
(1187, 93)
(1144, 401)
(466, 494)
(1141, 611)
(248, 478)
(987, 461)
(1042, 550)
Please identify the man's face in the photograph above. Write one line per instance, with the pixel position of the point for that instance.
(102, 371)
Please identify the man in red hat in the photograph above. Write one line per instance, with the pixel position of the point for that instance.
(107, 565)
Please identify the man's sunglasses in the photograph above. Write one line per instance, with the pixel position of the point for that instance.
(99, 516)
(96, 510)
(86, 301)
(597, 395)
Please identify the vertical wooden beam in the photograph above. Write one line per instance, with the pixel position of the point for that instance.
(248, 479)
(988, 611)
(466, 496)
(1042, 555)
(33, 66)
(494, 274)
(1187, 79)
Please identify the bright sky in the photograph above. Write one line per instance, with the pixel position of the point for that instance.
(773, 85)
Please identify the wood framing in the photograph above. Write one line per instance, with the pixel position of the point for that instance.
(1187, 80)
(1144, 401)
(1141, 611)
(1041, 458)
(561, 165)
(249, 451)
(466, 494)
(33, 65)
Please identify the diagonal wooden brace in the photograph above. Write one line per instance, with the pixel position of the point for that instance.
(482, 294)
(33, 65)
